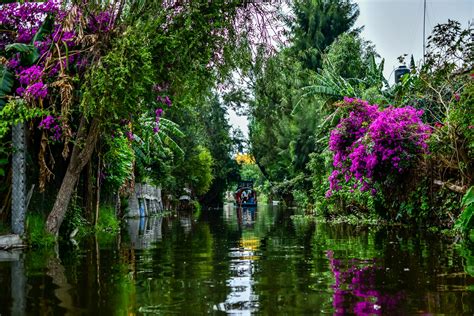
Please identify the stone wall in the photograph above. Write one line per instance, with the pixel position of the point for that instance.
(145, 201)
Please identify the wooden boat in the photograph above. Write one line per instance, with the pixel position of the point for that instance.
(245, 195)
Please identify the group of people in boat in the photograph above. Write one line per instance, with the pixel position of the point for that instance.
(246, 196)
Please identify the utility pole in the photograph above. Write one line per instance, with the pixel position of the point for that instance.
(19, 179)
(424, 29)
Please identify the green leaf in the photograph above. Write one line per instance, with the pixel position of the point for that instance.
(2, 172)
(19, 47)
(45, 29)
(29, 53)
(6, 84)
(468, 198)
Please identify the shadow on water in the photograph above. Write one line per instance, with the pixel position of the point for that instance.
(243, 261)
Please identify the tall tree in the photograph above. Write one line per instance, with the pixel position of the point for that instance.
(316, 24)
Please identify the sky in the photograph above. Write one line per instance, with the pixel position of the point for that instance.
(396, 28)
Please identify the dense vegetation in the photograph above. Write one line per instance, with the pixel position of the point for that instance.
(116, 93)
(124, 92)
(329, 133)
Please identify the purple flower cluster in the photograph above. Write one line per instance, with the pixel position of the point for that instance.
(50, 124)
(25, 18)
(158, 113)
(101, 22)
(36, 91)
(30, 75)
(371, 144)
(32, 78)
(130, 136)
(165, 100)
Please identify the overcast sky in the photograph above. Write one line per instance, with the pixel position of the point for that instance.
(396, 28)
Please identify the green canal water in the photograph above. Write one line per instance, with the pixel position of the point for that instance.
(243, 262)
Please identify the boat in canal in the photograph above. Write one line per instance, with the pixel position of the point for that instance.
(245, 195)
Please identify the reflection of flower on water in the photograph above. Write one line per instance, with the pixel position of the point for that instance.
(354, 288)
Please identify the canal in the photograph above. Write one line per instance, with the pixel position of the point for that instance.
(250, 261)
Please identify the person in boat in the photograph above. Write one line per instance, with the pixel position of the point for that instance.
(251, 198)
(244, 196)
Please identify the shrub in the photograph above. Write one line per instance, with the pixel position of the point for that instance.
(372, 145)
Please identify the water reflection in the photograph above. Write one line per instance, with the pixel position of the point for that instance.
(245, 216)
(242, 299)
(144, 231)
(243, 262)
(355, 288)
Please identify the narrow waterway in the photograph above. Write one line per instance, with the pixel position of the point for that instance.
(250, 261)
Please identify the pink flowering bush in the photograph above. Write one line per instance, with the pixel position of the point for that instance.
(51, 124)
(31, 36)
(371, 144)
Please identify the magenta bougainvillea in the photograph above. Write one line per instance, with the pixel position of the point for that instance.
(51, 124)
(372, 143)
(160, 99)
(21, 22)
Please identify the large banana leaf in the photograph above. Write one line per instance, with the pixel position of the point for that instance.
(45, 29)
(29, 53)
(6, 84)
(465, 221)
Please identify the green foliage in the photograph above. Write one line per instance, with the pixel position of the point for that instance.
(45, 29)
(466, 249)
(465, 221)
(29, 53)
(346, 56)
(107, 221)
(201, 170)
(250, 172)
(157, 153)
(75, 219)
(6, 84)
(3, 162)
(118, 162)
(4, 229)
(317, 24)
(220, 144)
(17, 111)
(292, 113)
(117, 86)
(36, 232)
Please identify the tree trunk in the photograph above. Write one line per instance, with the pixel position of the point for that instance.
(81, 154)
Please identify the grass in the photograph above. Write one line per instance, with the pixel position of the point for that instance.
(37, 235)
(107, 221)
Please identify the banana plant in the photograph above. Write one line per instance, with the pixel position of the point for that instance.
(465, 221)
(161, 141)
(6, 84)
